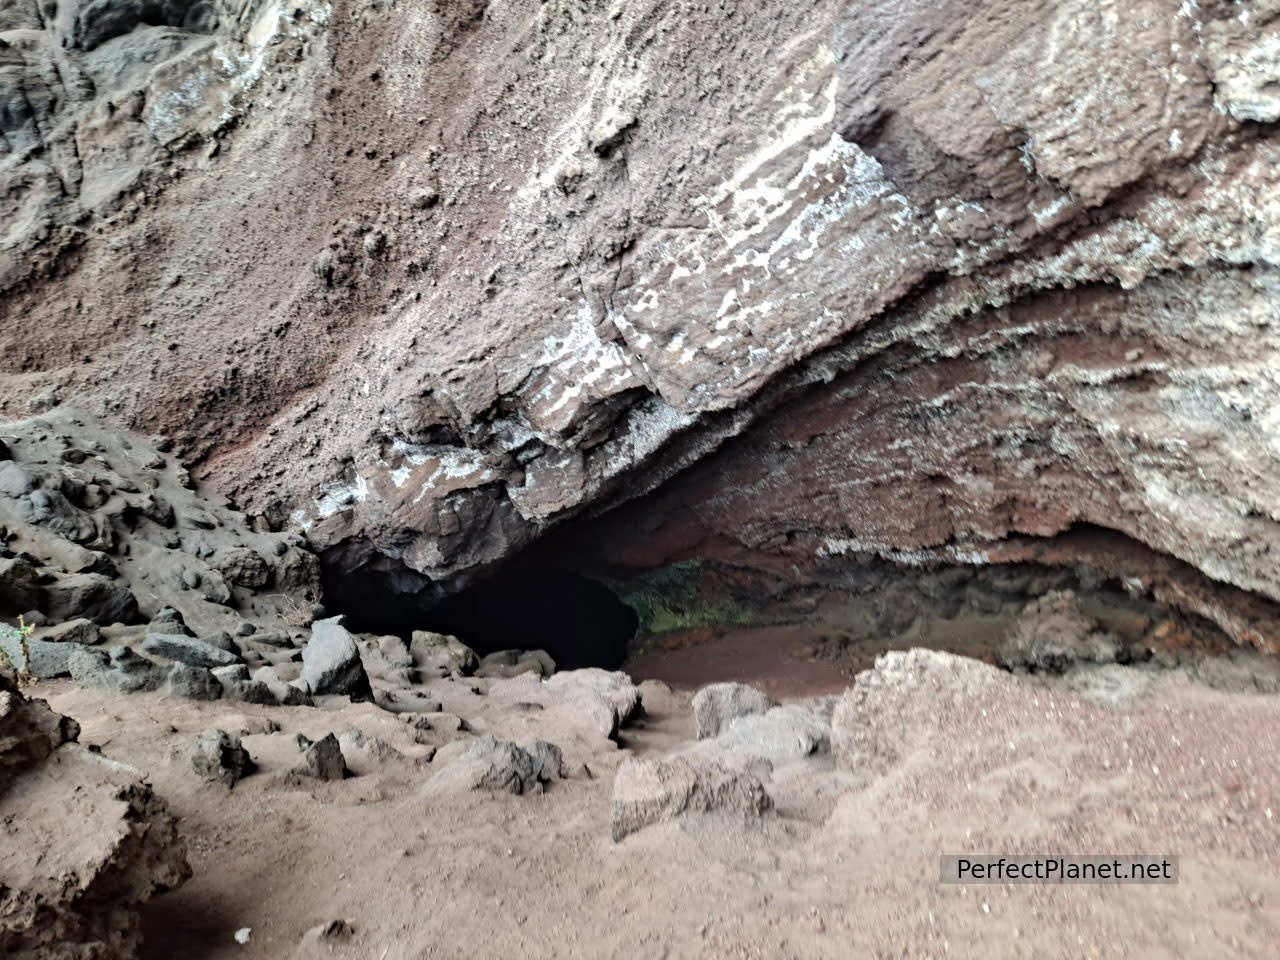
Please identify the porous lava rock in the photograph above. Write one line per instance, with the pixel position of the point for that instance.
(938, 281)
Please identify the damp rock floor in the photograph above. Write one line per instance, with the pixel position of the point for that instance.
(377, 865)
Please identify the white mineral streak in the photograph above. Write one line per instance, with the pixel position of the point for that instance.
(802, 192)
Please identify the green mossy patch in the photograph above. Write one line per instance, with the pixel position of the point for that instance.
(682, 596)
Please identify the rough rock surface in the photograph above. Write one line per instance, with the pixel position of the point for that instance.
(331, 662)
(717, 705)
(1053, 634)
(99, 524)
(886, 713)
(219, 757)
(488, 763)
(86, 841)
(954, 272)
(651, 791)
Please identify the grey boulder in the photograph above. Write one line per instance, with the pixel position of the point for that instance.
(331, 662)
(19, 585)
(499, 766)
(47, 660)
(90, 595)
(120, 669)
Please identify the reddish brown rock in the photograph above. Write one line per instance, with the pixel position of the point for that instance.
(956, 276)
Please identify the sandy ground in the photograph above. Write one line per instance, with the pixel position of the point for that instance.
(846, 866)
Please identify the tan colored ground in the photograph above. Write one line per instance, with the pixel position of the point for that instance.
(846, 867)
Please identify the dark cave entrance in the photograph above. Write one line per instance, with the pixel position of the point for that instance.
(608, 593)
(579, 621)
(576, 619)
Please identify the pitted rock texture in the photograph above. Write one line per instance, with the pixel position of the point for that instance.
(960, 272)
(86, 841)
(98, 524)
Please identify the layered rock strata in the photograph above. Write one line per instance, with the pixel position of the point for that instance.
(961, 276)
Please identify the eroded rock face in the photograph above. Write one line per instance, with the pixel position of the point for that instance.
(97, 524)
(86, 841)
(956, 275)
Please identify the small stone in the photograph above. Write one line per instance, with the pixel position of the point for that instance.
(218, 757)
(170, 621)
(718, 705)
(321, 759)
(549, 759)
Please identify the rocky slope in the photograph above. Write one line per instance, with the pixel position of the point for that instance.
(127, 578)
(428, 278)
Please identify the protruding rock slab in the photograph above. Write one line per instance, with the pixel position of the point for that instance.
(198, 653)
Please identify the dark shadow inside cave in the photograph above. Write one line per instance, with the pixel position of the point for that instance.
(577, 620)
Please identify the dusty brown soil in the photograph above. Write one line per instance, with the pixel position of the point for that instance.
(846, 866)
(780, 660)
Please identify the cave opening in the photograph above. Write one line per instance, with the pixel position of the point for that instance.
(610, 594)
(576, 619)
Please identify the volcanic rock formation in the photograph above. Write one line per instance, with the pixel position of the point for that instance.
(427, 278)
(86, 842)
